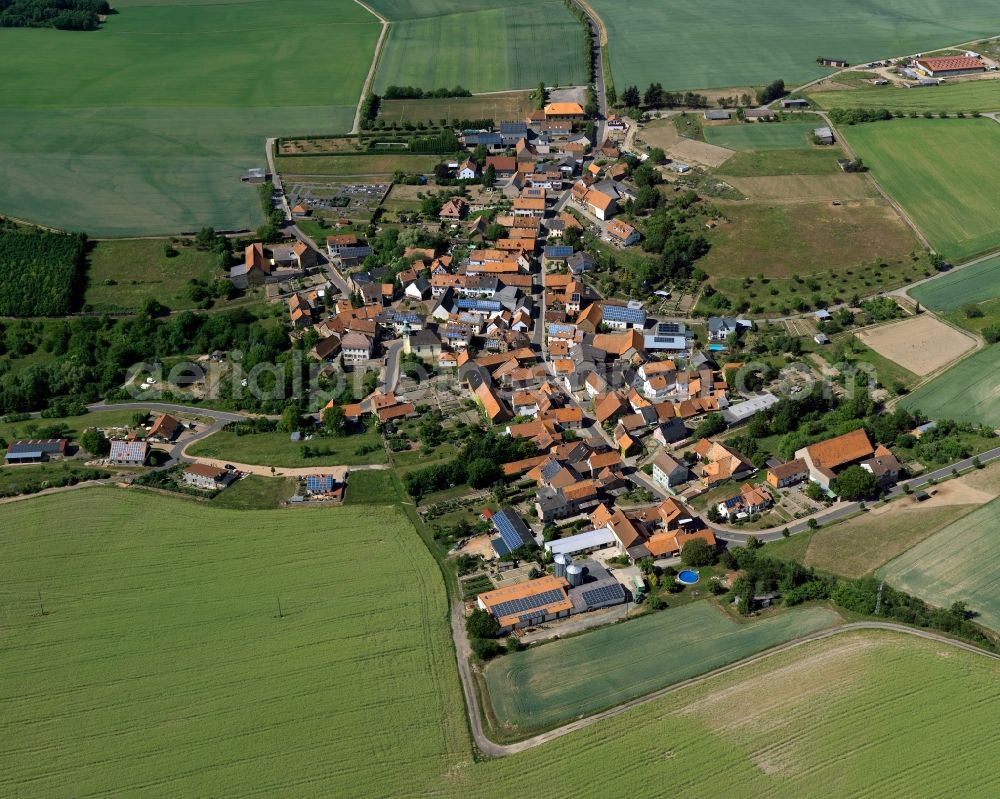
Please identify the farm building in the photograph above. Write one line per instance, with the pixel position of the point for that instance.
(528, 603)
(35, 450)
(564, 111)
(823, 135)
(212, 478)
(718, 114)
(833, 62)
(319, 484)
(128, 453)
(826, 459)
(758, 113)
(794, 102)
(947, 66)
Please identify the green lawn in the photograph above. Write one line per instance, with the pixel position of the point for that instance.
(13, 478)
(943, 172)
(371, 487)
(959, 564)
(277, 449)
(484, 45)
(558, 681)
(687, 44)
(772, 163)
(254, 492)
(976, 95)
(162, 669)
(760, 136)
(969, 285)
(968, 392)
(123, 274)
(146, 125)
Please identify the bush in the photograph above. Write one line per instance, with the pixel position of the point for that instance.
(485, 648)
(697, 553)
(481, 624)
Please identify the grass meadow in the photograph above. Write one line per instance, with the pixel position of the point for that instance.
(161, 668)
(943, 172)
(498, 107)
(485, 45)
(970, 285)
(973, 95)
(690, 45)
(277, 449)
(123, 273)
(145, 126)
(961, 563)
(968, 392)
(553, 683)
(760, 136)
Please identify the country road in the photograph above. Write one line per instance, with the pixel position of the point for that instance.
(492, 749)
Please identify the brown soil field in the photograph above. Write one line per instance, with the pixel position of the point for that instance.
(498, 107)
(804, 188)
(921, 344)
(699, 152)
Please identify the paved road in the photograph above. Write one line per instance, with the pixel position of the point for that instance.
(391, 373)
(599, 87)
(488, 747)
(841, 510)
(169, 407)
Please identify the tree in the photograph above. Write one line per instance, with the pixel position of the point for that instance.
(334, 420)
(753, 542)
(291, 419)
(631, 97)
(815, 492)
(713, 425)
(490, 176)
(495, 231)
(482, 472)
(697, 553)
(657, 156)
(771, 92)
(481, 624)
(654, 95)
(94, 442)
(855, 483)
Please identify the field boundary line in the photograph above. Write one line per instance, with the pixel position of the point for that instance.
(493, 749)
(376, 56)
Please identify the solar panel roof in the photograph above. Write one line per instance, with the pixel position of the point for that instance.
(520, 606)
(604, 595)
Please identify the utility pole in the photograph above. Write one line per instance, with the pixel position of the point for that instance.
(41, 606)
(281, 614)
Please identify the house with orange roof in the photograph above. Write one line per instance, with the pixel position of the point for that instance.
(564, 111)
(786, 474)
(454, 209)
(720, 463)
(671, 544)
(609, 407)
(622, 233)
(491, 403)
(601, 205)
(751, 499)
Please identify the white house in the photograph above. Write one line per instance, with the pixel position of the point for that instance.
(467, 170)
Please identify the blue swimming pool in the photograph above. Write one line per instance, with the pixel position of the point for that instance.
(687, 577)
(716, 347)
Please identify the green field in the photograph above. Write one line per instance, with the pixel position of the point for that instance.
(959, 564)
(968, 392)
(976, 95)
(162, 670)
(146, 125)
(74, 425)
(781, 163)
(484, 45)
(546, 685)
(254, 492)
(943, 172)
(969, 285)
(759, 136)
(277, 449)
(687, 44)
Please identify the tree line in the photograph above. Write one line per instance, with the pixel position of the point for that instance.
(415, 93)
(68, 15)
